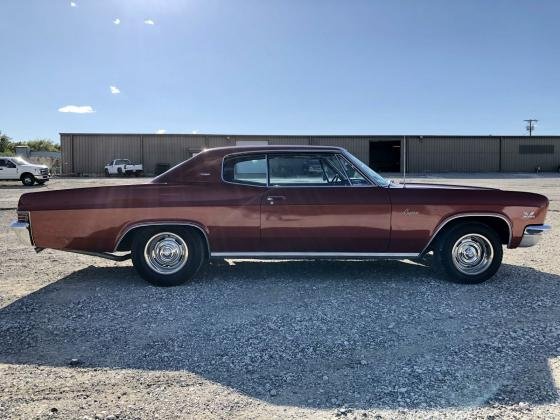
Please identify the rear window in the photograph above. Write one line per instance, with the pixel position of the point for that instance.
(249, 170)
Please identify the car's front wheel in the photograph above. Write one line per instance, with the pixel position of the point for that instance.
(167, 256)
(470, 253)
(28, 180)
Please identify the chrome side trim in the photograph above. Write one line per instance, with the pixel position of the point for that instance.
(169, 223)
(463, 215)
(105, 255)
(533, 234)
(22, 232)
(300, 255)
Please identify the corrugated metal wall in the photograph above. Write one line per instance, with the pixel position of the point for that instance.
(170, 150)
(87, 154)
(66, 149)
(92, 153)
(358, 146)
(460, 154)
(514, 161)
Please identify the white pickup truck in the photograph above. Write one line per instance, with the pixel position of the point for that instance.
(17, 168)
(123, 167)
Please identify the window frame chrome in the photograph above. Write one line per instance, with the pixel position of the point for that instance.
(303, 153)
(340, 153)
(243, 183)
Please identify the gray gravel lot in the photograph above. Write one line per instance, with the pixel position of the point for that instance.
(284, 339)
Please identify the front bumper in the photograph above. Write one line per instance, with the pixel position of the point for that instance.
(23, 232)
(533, 234)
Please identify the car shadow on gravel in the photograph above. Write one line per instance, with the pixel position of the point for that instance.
(317, 334)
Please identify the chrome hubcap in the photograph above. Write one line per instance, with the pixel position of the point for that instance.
(472, 254)
(166, 253)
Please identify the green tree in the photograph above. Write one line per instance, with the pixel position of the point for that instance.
(46, 145)
(6, 145)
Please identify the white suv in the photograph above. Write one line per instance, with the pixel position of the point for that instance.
(28, 173)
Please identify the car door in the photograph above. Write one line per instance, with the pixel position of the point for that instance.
(314, 206)
(8, 169)
(235, 219)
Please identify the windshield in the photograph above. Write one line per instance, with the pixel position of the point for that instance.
(20, 161)
(370, 173)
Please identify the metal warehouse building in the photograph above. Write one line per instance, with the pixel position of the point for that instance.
(88, 153)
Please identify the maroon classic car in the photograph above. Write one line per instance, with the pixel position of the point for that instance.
(282, 202)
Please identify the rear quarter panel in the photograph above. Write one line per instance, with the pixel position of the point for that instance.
(93, 219)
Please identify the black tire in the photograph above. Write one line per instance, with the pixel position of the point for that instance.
(470, 253)
(28, 180)
(107, 174)
(147, 266)
(120, 171)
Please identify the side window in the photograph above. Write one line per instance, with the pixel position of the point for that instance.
(354, 176)
(310, 170)
(10, 164)
(3, 163)
(250, 170)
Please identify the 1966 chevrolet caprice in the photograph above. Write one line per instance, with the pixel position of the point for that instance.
(282, 202)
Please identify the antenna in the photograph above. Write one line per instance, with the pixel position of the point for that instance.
(404, 161)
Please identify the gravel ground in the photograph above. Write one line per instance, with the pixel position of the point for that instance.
(82, 337)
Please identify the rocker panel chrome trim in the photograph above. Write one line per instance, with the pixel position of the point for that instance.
(314, 255)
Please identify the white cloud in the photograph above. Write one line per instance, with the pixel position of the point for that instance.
(77, 109)
(195, 132)
(73, 4)
(117, 21)
(161, 131)
(149, 22)
(114, 90)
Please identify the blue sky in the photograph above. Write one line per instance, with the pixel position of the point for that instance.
(279, 66)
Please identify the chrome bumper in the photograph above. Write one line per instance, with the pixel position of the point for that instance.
(22, 231)
(533, 234)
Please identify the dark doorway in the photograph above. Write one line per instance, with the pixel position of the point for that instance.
(385, 156)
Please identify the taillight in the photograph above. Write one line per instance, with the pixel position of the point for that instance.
(23, 216)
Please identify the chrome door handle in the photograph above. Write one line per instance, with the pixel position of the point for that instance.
(273, 198)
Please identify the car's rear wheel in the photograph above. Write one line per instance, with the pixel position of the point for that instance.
(167, 256)
(28, 180)
(470, 253)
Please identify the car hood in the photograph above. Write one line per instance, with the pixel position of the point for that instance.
(34, 166)
(418, 185)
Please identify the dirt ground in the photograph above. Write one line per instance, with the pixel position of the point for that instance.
(82, 337)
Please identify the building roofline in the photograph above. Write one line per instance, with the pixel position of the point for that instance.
(313, 135)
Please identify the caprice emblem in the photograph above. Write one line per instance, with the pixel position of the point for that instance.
(528, 214)
(408, 212)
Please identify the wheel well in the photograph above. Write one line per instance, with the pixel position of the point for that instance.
(125, 243)
(499, 225)
(26, 173)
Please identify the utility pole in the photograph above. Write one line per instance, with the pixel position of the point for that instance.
(530, 125)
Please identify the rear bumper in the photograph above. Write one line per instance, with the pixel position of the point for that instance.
(22, 232)
(533, 234)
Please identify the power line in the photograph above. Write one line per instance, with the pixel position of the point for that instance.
(530, 125)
